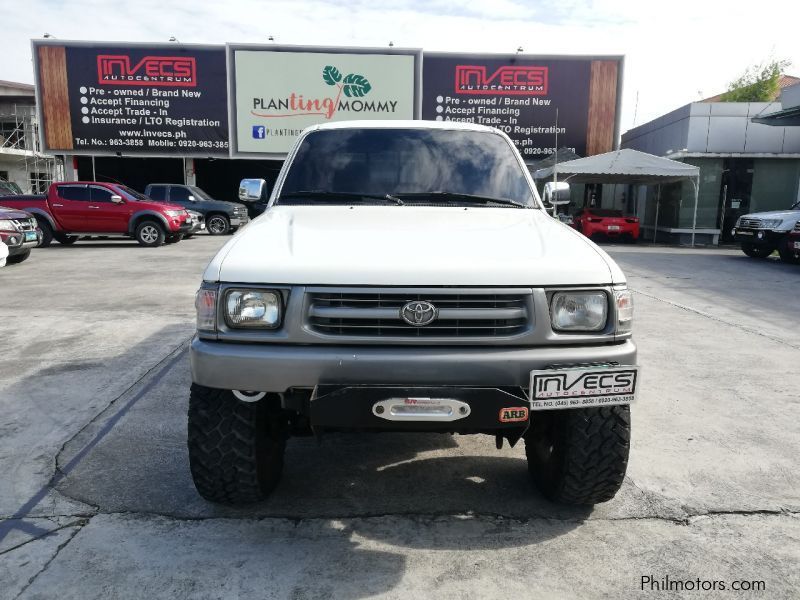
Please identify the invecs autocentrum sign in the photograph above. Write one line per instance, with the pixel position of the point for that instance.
(170, 71)
(280, 93)
(504, 81)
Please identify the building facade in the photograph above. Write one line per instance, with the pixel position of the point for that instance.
(745, 167)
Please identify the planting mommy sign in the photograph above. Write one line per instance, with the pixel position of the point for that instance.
(279, 93)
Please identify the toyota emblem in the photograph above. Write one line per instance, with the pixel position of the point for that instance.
(418, 313)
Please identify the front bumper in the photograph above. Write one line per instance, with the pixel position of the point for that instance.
(15, 240)
(759, 237)
(278, 367)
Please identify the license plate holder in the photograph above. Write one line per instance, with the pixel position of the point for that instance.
(583, 387)
(613, 227)
(31, 236)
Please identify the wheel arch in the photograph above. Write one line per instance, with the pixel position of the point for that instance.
(148, 215)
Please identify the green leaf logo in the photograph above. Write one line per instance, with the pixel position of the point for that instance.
(356, 86)
(331, 75)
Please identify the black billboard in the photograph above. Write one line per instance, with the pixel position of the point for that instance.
(128, 99)
(541, 103)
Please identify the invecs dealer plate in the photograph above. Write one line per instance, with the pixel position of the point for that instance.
(583, 387)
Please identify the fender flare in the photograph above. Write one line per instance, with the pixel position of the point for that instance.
(38, 212)
(137, 216)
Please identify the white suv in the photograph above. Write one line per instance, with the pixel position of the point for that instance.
(406, 277)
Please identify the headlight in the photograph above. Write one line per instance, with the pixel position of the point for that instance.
(6, 225)
(175, 213)
(771, 223)
(253, 308)
(578, 311)
(624, 301)
(205, 302)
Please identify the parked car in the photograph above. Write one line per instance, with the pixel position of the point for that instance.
(19, 234)
(82, 208)
(760, 234)
(3, 255)
(9, 188)
(221, 217)
(793, 245)
(197, 222)
(606, 222)
(407, 277)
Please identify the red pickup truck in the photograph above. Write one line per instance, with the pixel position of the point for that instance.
(72, 209)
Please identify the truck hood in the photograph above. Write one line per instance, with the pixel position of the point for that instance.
(775, 214)
(13, 213)
(411, 246)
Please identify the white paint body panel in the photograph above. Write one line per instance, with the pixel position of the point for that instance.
(411, 246)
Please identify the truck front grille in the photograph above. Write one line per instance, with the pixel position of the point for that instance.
(461, 313)
(25, 224)
(750, 223)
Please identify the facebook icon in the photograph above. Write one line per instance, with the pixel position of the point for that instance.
(259, 132)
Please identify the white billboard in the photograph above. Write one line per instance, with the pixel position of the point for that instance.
(276, 93)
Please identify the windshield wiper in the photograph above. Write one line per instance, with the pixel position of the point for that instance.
(329, 195)
(459, 196)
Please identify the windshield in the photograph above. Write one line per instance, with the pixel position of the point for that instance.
(198, 193)
(450, 165)
(133, 193)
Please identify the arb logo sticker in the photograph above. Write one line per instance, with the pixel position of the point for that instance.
(513, 414)
(582, 387)
(168, 71)
(507, 80)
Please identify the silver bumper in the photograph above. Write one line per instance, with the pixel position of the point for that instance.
(278, 367)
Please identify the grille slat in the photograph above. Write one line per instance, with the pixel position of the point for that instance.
(751, 223)
(375, 314)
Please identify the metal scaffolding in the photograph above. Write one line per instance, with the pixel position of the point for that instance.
(19, 145)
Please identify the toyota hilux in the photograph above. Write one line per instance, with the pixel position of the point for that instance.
(406, 277)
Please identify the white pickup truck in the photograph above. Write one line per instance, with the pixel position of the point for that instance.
(406, 277)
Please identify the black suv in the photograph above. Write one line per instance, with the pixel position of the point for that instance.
(221, 217)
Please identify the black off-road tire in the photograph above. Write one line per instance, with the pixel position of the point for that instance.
(18, 258)
(47, 232)
(150, 233)
(66, 240)
(579, 456)
(235, 448)
(756, 251)
(217, 224)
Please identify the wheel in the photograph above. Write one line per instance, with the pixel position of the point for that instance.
(788, 256)
(756, 251)
(47, 232)
(579, 456)
(67, 240)
(218, 225)
(235, 448)
(150, 234)
(18, 258)
(173, 239)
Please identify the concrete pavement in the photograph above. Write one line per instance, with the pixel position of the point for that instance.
(94, 397)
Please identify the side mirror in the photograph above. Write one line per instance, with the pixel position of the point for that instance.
(191, 198)
(252, 190)
(556, 193)
(116, 199)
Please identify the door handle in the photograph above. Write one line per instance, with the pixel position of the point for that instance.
(59, 205)
(92, 206)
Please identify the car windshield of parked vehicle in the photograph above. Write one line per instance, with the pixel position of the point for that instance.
(198, 193)
(400, 166)
(133, 194)
(605, 212)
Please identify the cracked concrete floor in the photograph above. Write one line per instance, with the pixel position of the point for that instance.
(97, 501)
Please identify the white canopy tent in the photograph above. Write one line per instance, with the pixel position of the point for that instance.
(626, 166)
